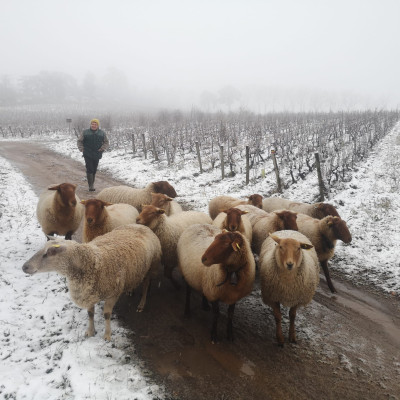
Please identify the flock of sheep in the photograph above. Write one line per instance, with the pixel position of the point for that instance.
(129, 233)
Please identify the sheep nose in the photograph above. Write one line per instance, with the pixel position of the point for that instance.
(289, 266)
(203, 259)
(233, 228)
(73, 203)
(89, 220)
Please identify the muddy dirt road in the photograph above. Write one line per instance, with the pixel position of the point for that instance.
(348, 344)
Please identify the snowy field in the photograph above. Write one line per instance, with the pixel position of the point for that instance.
(43, 352)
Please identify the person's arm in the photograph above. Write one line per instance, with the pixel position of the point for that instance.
(106, 143)
(79, 142)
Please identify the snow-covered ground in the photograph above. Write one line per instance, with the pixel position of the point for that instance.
(43, 352)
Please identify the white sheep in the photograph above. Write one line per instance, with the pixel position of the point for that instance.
(218, 264)
(323, 234)
(219, 203)
(234, 219)
(133, 196)
(102, 269)
(317, 210)
(102, 217)
(165, 202)
(168, 230)
(289, 275)
(59, 211)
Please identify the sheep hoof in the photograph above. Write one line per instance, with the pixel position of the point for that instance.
(107, 337)
(89, 333)
(139, 309)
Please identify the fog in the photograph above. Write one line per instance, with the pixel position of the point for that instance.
(257, 54)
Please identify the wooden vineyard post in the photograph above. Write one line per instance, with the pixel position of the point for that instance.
(144, 146)
(133, 143)
(154, 149)
(320, 181)
(198, 156)
(247, 165)
(278, 179)
(221, 155)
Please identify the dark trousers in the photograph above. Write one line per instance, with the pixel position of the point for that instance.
(91, 165)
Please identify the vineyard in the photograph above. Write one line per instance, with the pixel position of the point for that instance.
(285, 146)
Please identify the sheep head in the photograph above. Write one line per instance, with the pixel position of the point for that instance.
(66, 193)
(339, 228)
(255, 200)
(288, 253)
(150, 216)
(224, 249)
(46, 259)
(94, 210)
(288, 219)
(233, 218)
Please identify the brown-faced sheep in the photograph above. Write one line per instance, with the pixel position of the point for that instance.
(272, 222)
(323, 234)
(289, 275)
(165, 202)
(102, 269)
(316, 210)
(220, 265)
(168, 230)
(234, 219)
(135, 197)
(219, 203)
(102, 217)
(59, 211)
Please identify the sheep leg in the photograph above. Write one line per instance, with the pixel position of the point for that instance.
(276, 308)
(215, 307)
(187, 303)
(168, 274)
(324, 265)
(68, 235)
(108, 307)
(292, 332)
(204, 303)
(90, 330)
(231, 310)
(145, 288)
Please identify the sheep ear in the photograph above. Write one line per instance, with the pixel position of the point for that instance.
(224, 230)
(106, 203)
(49, 237)
(243, 212)
(274, 237)
(161, 211)
(55, 249)
(236, 246)
(83, 202)
(54, 187)
(306, 246)
(168, 198)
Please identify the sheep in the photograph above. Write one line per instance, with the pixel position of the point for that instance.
(168, 230)
(316, 210)
(234, 219)
(219, 265)
(289, 275)
(102, 217)
(135, 197)
(272, 222)
(165, 202)
(102, 269)
(323, 234)
(59, 211)
(224, 202)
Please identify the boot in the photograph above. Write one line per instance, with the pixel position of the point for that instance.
(90, 179)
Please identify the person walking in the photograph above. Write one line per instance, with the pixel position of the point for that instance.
(92, 142)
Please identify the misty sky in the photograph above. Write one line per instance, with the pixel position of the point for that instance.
(349, 46)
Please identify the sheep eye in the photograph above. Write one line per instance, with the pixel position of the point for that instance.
(45, 255)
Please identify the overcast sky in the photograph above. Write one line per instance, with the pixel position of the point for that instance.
(342, 46)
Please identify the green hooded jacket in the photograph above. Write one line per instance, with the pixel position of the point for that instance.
(93, 143)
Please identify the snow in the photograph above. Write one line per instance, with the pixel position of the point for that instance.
(43, 352)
